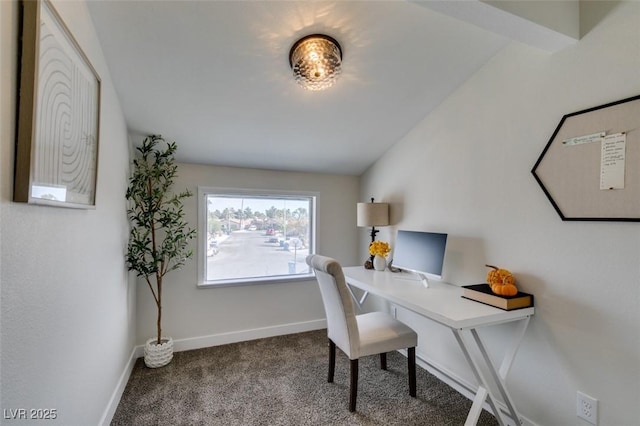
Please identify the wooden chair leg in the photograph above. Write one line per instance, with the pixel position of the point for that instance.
(354, 385)
(332, 361)
(383, 361)
(411, 357)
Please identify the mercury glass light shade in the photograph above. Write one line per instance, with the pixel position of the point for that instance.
(316, 61)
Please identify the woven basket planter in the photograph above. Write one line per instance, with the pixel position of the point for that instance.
(158, 355)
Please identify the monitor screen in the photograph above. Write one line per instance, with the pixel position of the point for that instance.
(421, 252)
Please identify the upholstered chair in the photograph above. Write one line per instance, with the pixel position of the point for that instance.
(358, 335)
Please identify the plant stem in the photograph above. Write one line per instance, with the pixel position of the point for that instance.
(159, 303)
(154, 253)
(151, 288)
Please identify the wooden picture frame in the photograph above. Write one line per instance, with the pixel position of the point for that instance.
(56, 160)
(571, 168)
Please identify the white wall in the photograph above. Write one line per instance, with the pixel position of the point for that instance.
(198, 317)
(67, 307)
(465, 170)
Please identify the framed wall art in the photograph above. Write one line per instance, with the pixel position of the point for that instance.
(590, 168)
(58, 116)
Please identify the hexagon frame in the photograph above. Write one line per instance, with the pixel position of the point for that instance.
(570, 190)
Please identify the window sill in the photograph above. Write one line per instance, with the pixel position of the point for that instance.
(256, 280)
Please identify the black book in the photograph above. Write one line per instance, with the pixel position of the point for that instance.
(482, 293)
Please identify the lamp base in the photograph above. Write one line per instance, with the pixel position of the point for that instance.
(368, 264)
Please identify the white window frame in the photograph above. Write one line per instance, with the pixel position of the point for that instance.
(201, 251)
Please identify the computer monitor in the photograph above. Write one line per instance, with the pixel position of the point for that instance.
(420, 252)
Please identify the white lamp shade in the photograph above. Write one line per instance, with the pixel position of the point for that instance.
(373, 214)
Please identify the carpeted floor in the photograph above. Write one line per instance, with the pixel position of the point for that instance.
(283, 381)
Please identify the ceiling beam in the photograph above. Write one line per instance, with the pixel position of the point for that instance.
(547, 25)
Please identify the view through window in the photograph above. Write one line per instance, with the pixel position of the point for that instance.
(257, 236)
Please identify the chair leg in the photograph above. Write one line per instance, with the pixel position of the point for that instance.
(354, 385)
(411, 357)
(332, 361)
(383, 361)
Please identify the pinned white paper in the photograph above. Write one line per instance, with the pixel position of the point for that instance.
(612, 161)
(595, 137)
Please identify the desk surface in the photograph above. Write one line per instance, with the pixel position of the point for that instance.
(441, 302)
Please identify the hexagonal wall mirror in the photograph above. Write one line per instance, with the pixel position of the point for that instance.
(590, 168)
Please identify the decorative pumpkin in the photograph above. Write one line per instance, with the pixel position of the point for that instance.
(501, 281)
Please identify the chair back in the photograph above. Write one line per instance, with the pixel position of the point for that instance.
(342, 327)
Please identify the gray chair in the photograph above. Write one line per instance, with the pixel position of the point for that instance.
(358, 335)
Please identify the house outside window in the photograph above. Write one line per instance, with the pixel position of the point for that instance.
(252, 236)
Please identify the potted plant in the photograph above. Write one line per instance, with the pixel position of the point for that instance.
(159, 236)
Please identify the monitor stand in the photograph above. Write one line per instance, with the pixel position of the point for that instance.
(423, 279)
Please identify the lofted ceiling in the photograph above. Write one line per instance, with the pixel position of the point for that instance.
(214, 75)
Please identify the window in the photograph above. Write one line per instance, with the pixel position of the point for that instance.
(248, 236)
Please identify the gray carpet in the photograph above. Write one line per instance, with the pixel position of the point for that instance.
(283, 381)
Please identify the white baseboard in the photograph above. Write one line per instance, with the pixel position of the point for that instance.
(107, 416)
(199, 342)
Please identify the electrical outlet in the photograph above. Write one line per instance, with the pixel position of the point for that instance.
(587, 408)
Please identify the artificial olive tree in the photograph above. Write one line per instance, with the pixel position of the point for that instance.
(159, 237)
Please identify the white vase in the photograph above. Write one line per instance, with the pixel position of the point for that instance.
(158, 355)
(379, 263)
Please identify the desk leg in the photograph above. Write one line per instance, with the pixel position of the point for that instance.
(360, 301)
(484, 392)
(500, 376)
(510, 354)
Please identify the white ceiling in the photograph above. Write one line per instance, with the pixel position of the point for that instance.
(214, 76)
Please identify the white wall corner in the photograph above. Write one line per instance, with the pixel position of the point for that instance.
(112, 406)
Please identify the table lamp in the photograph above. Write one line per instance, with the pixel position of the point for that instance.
(373, 214)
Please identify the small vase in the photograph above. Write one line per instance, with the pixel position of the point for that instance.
(158, 355)
(379, 263)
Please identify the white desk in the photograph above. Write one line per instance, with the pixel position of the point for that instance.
(443, 304)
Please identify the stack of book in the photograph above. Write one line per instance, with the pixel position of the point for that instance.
(482, 293)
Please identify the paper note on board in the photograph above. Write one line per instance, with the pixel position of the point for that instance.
(612, 161)
(595, 137)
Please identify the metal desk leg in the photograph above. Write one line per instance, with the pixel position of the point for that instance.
(500, 376)
(359, 302)
(510, 353)
(484, 391)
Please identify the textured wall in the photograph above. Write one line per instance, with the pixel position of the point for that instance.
(67, 307)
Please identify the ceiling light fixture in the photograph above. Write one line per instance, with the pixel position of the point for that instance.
(316, 61)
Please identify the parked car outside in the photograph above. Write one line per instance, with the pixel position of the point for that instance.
(212, 249)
